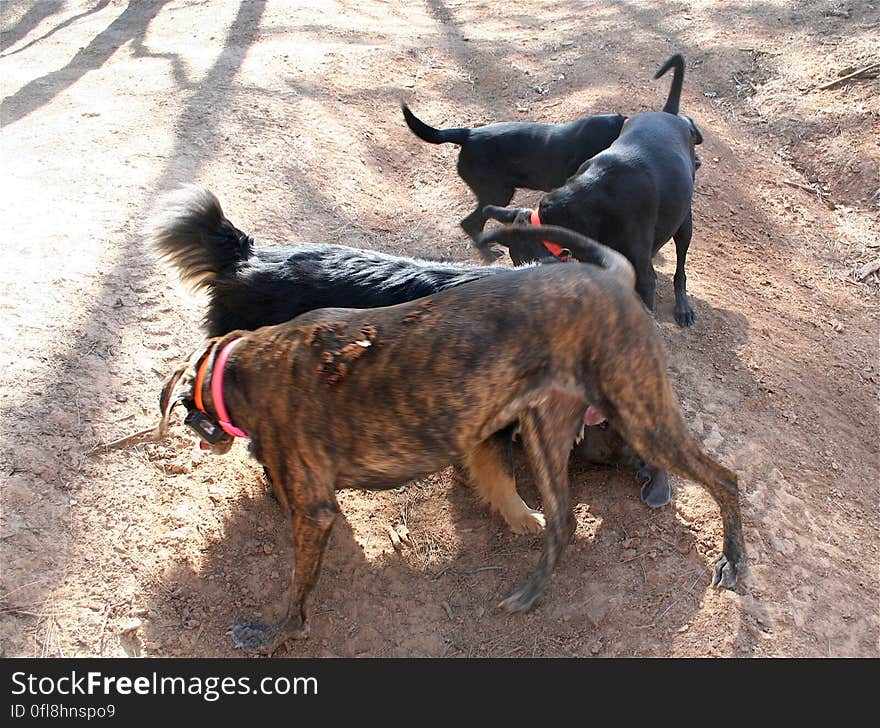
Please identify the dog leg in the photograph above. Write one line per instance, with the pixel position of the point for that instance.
(490, 465)
(684, 314)
(489, 191)
(474, 223)
(688, 460)
(274, 491)
(312, 521)
(646, 283)
(654, 428)
(547, 433)
(722, 486)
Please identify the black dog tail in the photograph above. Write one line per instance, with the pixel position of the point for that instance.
(583, 249)
(429, 133)
(190, 231)
(674, 98)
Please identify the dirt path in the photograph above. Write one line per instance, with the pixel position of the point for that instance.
(289, 112)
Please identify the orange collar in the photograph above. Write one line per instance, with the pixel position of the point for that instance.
(556, 250)
(200, 381)
(217, 389)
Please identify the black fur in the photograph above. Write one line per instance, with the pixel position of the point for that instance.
(633, 197)
(497, 159)
(673, 100)
(249, 287)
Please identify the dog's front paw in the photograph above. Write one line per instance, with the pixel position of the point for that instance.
(726, 572)
(523, 519)
(685, 316)
(531, 522)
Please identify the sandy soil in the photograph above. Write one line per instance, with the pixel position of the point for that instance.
(289, 112)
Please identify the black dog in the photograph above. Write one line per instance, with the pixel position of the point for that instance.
(249, 287)
(633, 197)
(497, 159)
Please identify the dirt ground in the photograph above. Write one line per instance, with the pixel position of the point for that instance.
(289, 112)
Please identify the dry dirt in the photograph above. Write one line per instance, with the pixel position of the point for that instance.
(289, 112)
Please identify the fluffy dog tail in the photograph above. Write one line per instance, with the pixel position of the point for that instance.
(674, 98)
(429, 133)
(582, 248)
(190, 232)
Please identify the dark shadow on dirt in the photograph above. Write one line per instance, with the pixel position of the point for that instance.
(131, 24)
(98, 333)
(614, 528)
(245, 574)
(30, 19)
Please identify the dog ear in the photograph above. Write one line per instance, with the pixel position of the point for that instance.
(167, 399)
(695, 132)
(179, 386)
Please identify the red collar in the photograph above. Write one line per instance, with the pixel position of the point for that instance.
(556, 250)
(216, 380)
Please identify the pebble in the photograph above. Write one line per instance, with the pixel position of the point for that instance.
(131, 625)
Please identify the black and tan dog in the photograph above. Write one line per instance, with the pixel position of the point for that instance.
(633, 197)
(369, 398)
(250, 286)
(497, 159)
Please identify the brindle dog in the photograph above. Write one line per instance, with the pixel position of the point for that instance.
(342, 398)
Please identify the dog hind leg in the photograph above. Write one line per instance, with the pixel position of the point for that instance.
(646, 282)
(487, 194)
(490, 465)
(684, 314)
(654, 428)
(722, 486)
(548, 431)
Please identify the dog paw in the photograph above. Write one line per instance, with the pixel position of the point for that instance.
(522, 600)
(263, 639)
(526, 521)
(656, 491)
(726, 572)
(685, 316)
(255, 637)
